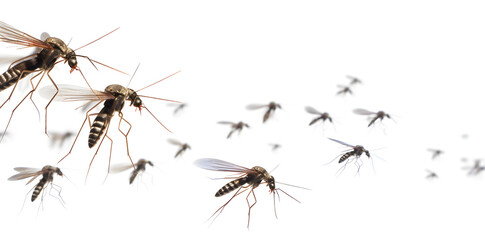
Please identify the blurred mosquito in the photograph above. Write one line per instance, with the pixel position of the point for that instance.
(53, 51)
(431, 175)
(178, 107)
(323, 116)
(476, 168)
(378, 115)
(344, 90)
(354, 80)
(248, 179)
(183, 146)
(271, 108)
(274, 146)
(140, 167)
(234, 126)
(47, 173)
(60, 138)
(436, 153)
(114, 97)
(356, 151)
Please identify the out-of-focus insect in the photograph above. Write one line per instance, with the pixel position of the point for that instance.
(183, 146)
(140, 167)
(60, 138)
(323, 116)
(47, 173)
(356, 152)
(436, 153)
(344, 90)
(431, 174)
(354, 80)
(378, 115)
(274, 146)
(476, 168)
(51, 50)
(178, 107)
(234, 126)
(114, 97)
(271, 108)
(249, 179)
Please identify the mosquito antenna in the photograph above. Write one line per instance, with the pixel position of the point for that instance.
(133, 75)
(97, 39)
(156, 119)
(158, 81)
(112, 68)
(291, 185)
(163, 99)
(274, 168)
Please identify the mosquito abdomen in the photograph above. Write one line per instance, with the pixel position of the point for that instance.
(231, 186)
(100, 123)
(133, 176)
(346, 156)
(17, 72)
(38, 188)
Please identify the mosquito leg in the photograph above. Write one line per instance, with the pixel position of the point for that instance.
(20, 78)
(251, 206)
(219, 210)
(57, 91)
(109, 161)
(58, 197)
(100, 143)
(126, 136)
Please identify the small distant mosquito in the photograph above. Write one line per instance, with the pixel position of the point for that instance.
(47, 173)
(354, 80)
(476, 168)
(234, 126)
(275, 146)
(178, 107)
(356, 152)
(140, 167)
(323, 116)
(60, 138)
(271, 108)
(378, 115)
(183, 146)
(249, 178)
(344, 90)
(431, 175)
(436, 153)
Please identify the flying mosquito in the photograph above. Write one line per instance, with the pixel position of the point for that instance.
(476, 168)
(274, 146)
(249, 179)
(323, 116)
(60, 138)
(436, 153)
(114, 97)
(356, 152)
(183, 146)
(344, 90)
(378, 115)
(271, 108)
(178, 107)
(354, 80)
(431, 175)
(140, 167)
(234, 126)
(47, 173)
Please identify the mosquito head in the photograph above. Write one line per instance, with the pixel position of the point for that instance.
(271, 183)
(135, 99)
(367, 153)
(71, 59)
(58, 171)
(150, 163)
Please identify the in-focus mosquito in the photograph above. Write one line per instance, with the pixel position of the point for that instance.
(234, 126)
(436, 153)
(178, 107)
(271, 108)
(60, 138)
(322, 116)
(47, 173)
(377, 115)
(356, 151)
(52, 51)
(248, 179)
(183, 146)
(344, 90)
(114, 97)
(431, 175)
(354, 80)
(140, 167)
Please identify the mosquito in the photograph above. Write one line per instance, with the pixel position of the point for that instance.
(356, 151)
(248, 179)
(431, 174)
(344, 90)
(114, 97)
(47, 173)
(436, 153)
(178, 107)
(234, 126)
(274, 146)
(60, 137)
(52, 51)
(271, 108)
(323, 116)
(378, 115)
(476, 168)
(354, 80)
(140, 167)
(183, 146)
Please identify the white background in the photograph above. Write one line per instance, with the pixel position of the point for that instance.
(421, 61)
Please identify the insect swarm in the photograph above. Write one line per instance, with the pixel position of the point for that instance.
(248, 179)
(52, 51)
(114, 97)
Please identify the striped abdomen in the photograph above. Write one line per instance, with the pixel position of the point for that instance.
(38, 188)
(133, 176)
(17, 72)
(231, 186)
(100, 123)
(346, 156)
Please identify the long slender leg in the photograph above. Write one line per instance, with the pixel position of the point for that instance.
(57, 91)
(99, 146)
(251, 206)
(220, 209)
(126, 136)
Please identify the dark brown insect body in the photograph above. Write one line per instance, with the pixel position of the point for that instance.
(183, 146)
(344, 90)
(47, 173)
(436, 153)
(271, 108)
(357, 151)
(140, 167)
(234, 127)
(323, 116)
(378, 115)
(253, 179)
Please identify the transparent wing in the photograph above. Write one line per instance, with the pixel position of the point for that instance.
(12, 35)
(255, 106)
(346, 144)
(25, 173)
(311, 110)
(44, 36)
(117, 168)
(226, 122)
(174, 142)
(71, 93)
(220, 165)
(361, 111)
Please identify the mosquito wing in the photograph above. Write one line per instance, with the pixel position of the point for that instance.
(174, 142)
(255, 106)
(226, 122)
(25, 172)
(12, 35)
(220, 165)
(120, 168)
(346, 144)
(361, 111)
(71, 93)
(311, 110)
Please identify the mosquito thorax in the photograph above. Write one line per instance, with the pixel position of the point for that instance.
(117, 90)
